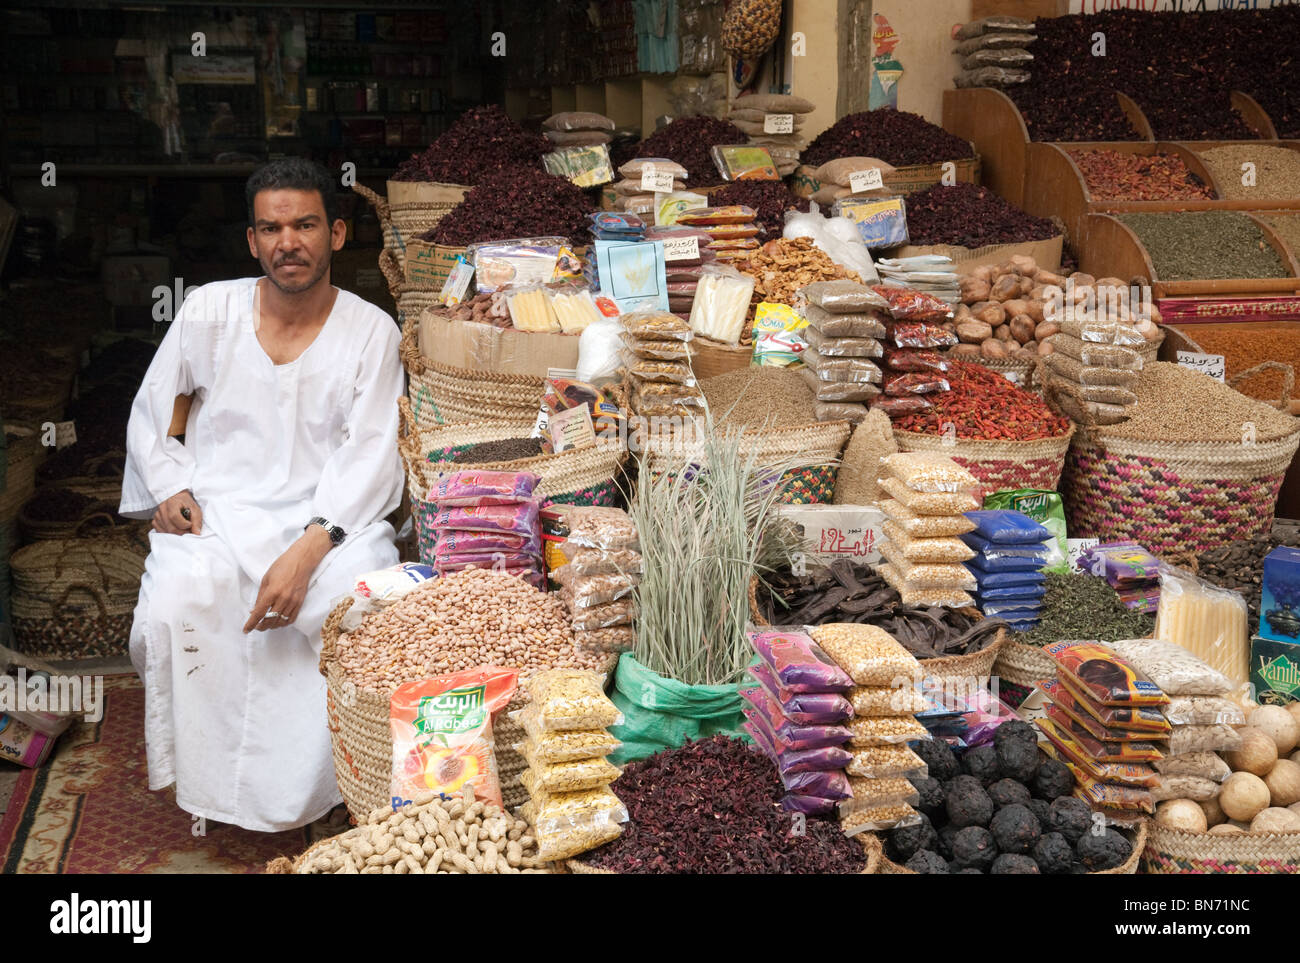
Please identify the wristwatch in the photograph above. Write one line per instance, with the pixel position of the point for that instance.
(336, 534)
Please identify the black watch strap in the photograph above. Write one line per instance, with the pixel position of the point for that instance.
(336, 534)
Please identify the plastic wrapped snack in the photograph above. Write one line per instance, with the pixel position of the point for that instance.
(592, 526)
(574, 308)
(844, 297)
(519, 518)
(612, 638)
(929, 503)
(743, 163)
(1103, 674)
(657, 350)
(798, 663)
(869, 655)
(1201, 764)
(887, 700)
(763, 708)
(1110, 796)
(930, 472)
(869, 793)
(841, 369)
(572, 775)
(1218, 738)
(1173, 668)
(924, 526)
(1204, 710)
(1071, 370)
(478, 487)
(1059, 745)
(872, 323)
(915, 334)
(571, 699)
(670, 372)
(883, 762)
(721, 304)
(805, 708)
(531, 310)
(1092, 354)
(570, 823)
(602, 616)
(562, 745)
(916, 549)
(879, 819)
(601, 561)
(838, 391)
(926, 574)
(1183, 786)
(1120, 750)
(1102, 332)
(829, 347)
(1143, 722)
(925, 595)
(1207, 621)
(656, 326)
(885, 730)
(453, 542)
(707, 217)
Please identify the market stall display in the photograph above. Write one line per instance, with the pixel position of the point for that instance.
(688, 141)
(775, 122)
(600, 578)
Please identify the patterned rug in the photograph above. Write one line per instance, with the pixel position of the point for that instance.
(89, 809)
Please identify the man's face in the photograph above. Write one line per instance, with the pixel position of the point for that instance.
(291, 238)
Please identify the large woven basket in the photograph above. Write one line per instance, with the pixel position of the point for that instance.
(442, 394)
(998, 465)
(1177, 852)
(818, 445)
(20, 469)
(405, 220)
(100, 478)
(1129, 867)
(97, 520)
(114, 564)
(1171, 495)
(975, 664)
(711, 358)
(1023, 665)
(362, 739)
(868, 841)
(83, 622)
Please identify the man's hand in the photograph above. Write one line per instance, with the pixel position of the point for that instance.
(170, 518)
(284, 586)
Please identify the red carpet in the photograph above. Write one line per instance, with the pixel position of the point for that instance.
(89, 809)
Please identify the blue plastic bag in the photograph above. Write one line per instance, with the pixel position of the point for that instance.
(1011, 580)
(1013, 611)
(1005, 527)
(981, 566)
(1004, 549)
(1012, 593)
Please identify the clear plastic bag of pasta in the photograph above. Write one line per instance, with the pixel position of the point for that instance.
(569, 823)
(1209, 622)
(571, 699)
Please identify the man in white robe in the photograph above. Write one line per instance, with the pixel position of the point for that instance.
(266, 513)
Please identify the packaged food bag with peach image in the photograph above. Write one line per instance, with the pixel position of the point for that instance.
(442, 733)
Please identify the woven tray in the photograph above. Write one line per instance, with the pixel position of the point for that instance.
(1128, 868)
(1176, 852)
(1023, 665)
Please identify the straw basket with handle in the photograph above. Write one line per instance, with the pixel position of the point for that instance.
(1129, 867)
(21, 450)
(1178, 852)
(442, 394)
(972, 665)
(82, 622)
(998, 464)
(579, 476)
(711, 358)
(411, 209)
(1173, 495)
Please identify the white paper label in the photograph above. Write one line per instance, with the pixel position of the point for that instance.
(682, 248)
(1075, 547)
(1210, 364)
(778, 123)
(653, 181)
(868, 180)
(65, 434)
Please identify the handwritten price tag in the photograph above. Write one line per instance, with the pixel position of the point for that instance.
(778, 123)
(653, 181)
(682, 248)
(1075, 547)
(869, 180)
(1210, 364)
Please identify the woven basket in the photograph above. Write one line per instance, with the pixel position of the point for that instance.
(1177, 852)
(1172, 495)
(580, 476)
(711, 358)
(100, 478)
(868, 841)
(1023, 665)
(819, 444)
(20, 469)
(362, 739)
(115, 565)
(98, 520)
(1128, 868)
(83, 623)
(998, 465)
(441, 394)
(406, 220)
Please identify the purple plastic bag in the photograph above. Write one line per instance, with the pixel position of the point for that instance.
(519, 518)
(811, 805)
(798, 663)
(811, 760)
(790, 733)
(505, 560)
(827, 785)
(805, 708)
(477, 487)
(452, 541)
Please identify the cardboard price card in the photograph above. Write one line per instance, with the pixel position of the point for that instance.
(1210, 364)
(868, 180)
(656, 182)
(778, 123)
(682, 248)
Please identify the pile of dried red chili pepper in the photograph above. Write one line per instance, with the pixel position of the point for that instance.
(984, 405)
(1113, 175)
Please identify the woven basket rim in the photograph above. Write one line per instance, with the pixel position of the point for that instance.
(1191, 450)
(993, 445)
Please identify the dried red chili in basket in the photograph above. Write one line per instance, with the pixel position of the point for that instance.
(985, 405)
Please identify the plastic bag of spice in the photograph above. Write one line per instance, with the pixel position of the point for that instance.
(656, 325)
(926, 574)
(1090, 353)
(1005, 527)
(841, 369)
(571, 699)
(910, 305)
(924, 595)
(830, 392)
(897, 407)
(915, 383)
(519, 518)
(805, 708)
(572, 775)
(851, 412)
(912, 359)
(1103, 674)
(479, 487)
(881, 762)
(848, 326)
(1071, 370)
(912, 334)
(868, 654)
(885, 730)
(656, 350)
(924, 526)
(844, 297)
(798, 663)
(1102, 332)
(929, 503)
(829, 347)
(671, 372)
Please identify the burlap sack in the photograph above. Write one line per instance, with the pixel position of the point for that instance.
(871, 441)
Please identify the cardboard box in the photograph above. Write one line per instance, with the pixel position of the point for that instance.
(482, 347)
(1275, 671)
(1047, 253)
(1279, 606)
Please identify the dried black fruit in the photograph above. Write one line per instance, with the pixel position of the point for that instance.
(1008, 792)
(927, 863)
(905, 841)
(1017, 760)
(975, 847)
(982, 763)
(967, 803)
(1071, 817)
(932, 795)
(1053, 780)
(1101, 851)
(1015, 865)
(1053, 854)
(1014, 829)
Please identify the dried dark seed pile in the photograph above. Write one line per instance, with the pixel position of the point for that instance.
(507, 449)
(1240, 565)
(894, 136)
(1083, 606)
(712, 807)
(971, 217)
(482, 141)
(516, 202)
(848, 593)
(769, 200)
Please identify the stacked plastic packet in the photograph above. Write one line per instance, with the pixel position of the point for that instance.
(914, 369)
(682, 269)
(774, 121)
(599, 580)
(927, 570)
(1128, 568)
(1200, 713)
(932, 274)
(1116, 718)
(1210, 622)
(1094, 366)
(885, 698)
(609, 226)
(570, 807)
(847, 323)
(573, 128)
(1008, 557)
(658, 362)
(488, 519)
(630, 193)
(732, 230)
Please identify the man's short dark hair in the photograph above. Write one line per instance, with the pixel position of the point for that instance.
(293, 174)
